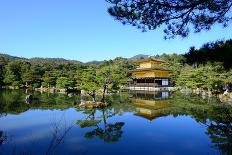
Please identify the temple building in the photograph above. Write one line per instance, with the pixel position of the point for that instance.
(150, 75)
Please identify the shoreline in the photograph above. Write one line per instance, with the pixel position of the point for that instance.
(226, 96)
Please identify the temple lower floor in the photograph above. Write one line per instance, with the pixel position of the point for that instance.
(150, 82)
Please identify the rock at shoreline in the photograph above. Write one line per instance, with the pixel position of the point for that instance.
(186, 91)
(226, 97)
(91, 105)
(29, 98)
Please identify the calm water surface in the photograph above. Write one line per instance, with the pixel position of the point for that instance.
(135, 123)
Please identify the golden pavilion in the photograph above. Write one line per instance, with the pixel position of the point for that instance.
(149, 75)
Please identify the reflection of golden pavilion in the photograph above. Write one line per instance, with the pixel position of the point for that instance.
(150, 109)
(148, 113)
(154, 104)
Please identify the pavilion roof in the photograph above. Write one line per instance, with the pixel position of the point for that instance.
(150, 59)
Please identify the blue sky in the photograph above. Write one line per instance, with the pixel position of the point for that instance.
(83, 30)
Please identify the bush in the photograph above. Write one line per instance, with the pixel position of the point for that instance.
(16, 83)
(37, 85)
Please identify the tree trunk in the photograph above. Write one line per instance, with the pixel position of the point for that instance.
(104, 118)
(104, 93)
(209, 92)
(94, 96)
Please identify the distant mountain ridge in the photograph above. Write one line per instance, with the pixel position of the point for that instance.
(62, 60)
(139, 57)
(7, 56)
(59, 60)
(36, 59)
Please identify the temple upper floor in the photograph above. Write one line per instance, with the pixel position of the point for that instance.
(149, 63)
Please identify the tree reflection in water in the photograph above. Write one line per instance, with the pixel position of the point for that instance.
(3, 138)
(215, 116)
(108, 133)
(220, 130)
(60, 129)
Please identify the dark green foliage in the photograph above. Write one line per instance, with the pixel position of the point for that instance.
(110, 132)
(3, 62)
(14, 72)
(36, 85)
(177, 15)
(64, 82)
(207, 76)
(219, 51)
(108, 76)
(90, 81)
(63, 74)
(13, 101)
(49, 79)
(209, 67)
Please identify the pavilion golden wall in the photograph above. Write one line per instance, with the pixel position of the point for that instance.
(151, 74)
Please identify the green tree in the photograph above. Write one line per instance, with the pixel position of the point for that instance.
(219, 51)
(49, 78)
(210, 76)
(37, 72)
(3, 62)
(90, 81)
(13, 73)
(78, 75)
(1, 76)
(27, 78)
(64, 82)
(109, 78)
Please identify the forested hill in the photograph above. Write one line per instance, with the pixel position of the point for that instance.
(212, 52)
(139, 57)
(9, 57)
(37, 59)
(62, 60)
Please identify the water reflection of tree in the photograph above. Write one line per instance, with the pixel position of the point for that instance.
(218, 120)
(3, 138)
(59, 131)
(10, 102)
(219, 129)
(13, 101)
(121, 103)
(216, 117)
(109, 132)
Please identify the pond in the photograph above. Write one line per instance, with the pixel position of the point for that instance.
(135, 123)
